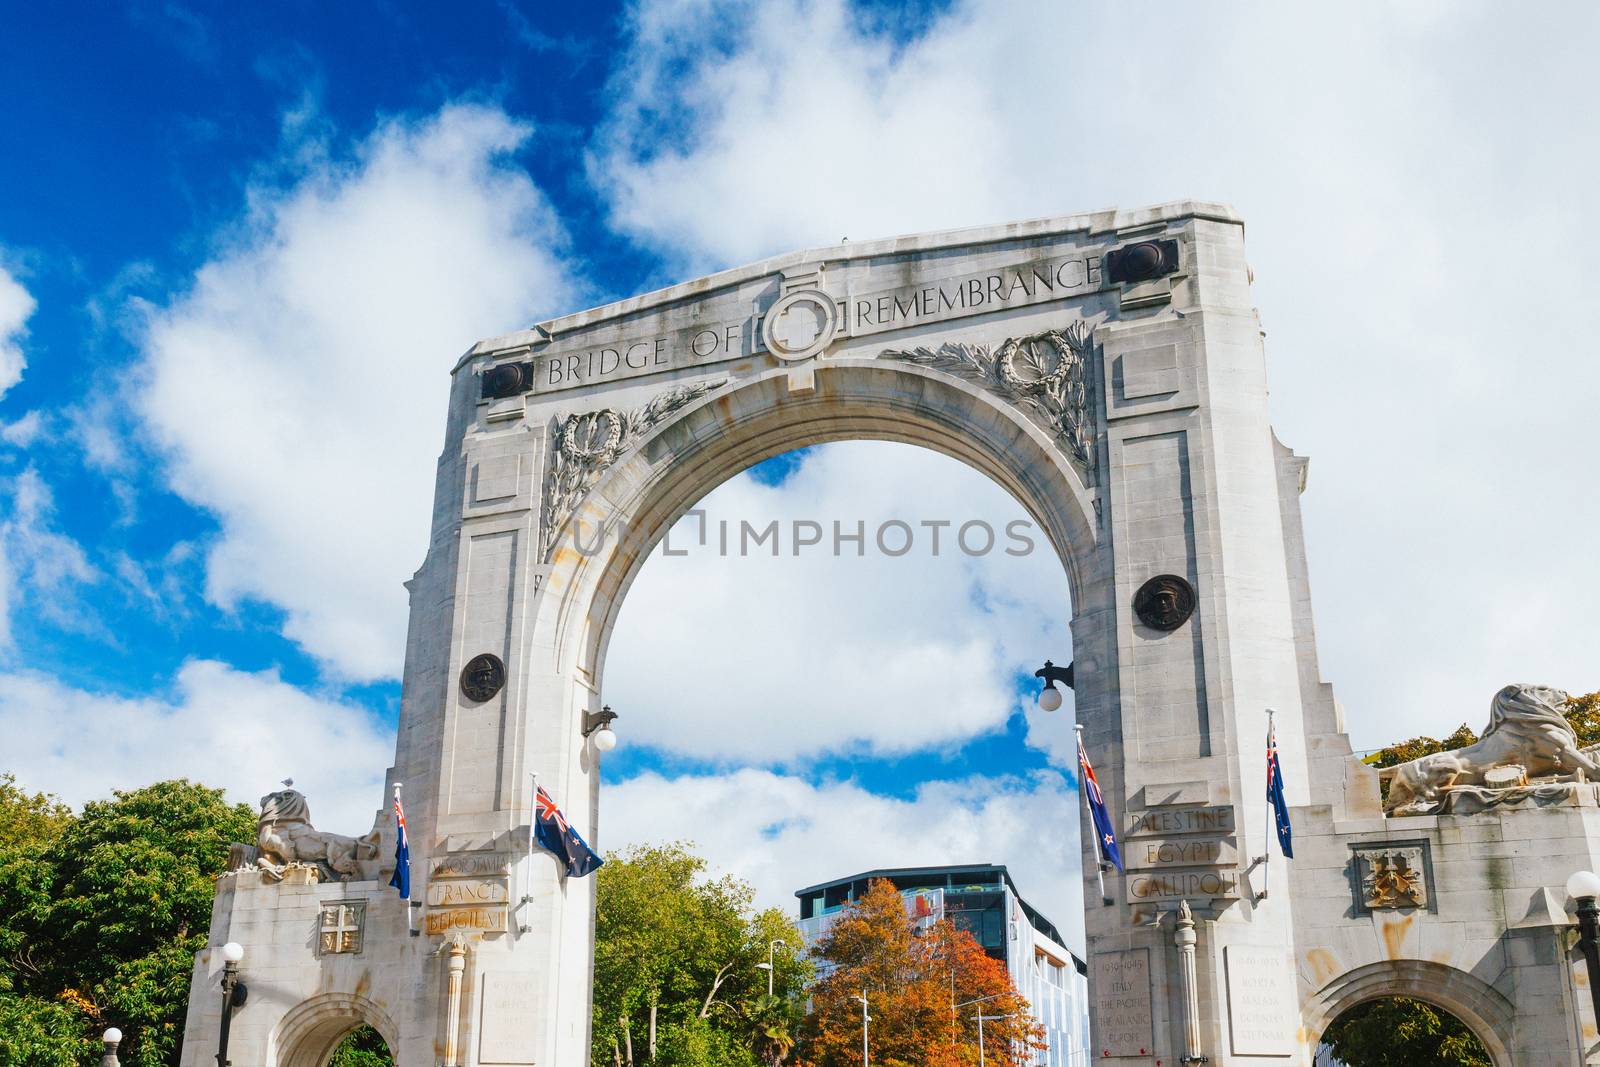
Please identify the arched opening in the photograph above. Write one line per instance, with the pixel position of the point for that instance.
(861, 657)
(1418, 1009)
(362, 1047)
(1400, 1032)
(315, 1031)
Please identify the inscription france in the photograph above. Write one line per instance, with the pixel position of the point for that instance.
(458, 891)
(1122, 1003)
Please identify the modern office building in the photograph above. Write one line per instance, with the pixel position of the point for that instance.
(983, 900)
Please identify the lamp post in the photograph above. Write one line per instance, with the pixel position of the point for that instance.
(234, 994)
(982, 1055)
(865, 1019)
(110, 1039)
(1584, 887)
(768, 965)
(1050, 696)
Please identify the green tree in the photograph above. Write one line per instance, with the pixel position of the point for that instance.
(1401, 1032)
(676, 954)
(28, 820)
(362, 1047)
(104, 913)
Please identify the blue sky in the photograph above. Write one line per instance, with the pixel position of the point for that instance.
(242, 245)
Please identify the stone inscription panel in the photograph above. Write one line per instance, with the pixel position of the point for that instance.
(472, 863)
(1122, 1004)
(1260, 1016)
(727, 327)
(467, 891)
(1182, 885)
(509, 1002)
(1181, 852)
(486, 920)
(1164, 822)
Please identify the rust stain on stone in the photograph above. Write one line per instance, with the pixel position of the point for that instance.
(1394, 935)
(1322, 964)
(363, 984)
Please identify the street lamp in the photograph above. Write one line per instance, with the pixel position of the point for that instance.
(597, 727)
(110, 1039)
(234, 995)
(982, 1057)
(768, 965)
(1050, 696)
(1583, 887)
(865, 1019)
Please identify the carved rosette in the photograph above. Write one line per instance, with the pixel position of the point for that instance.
(1045, 374)
(584, 445)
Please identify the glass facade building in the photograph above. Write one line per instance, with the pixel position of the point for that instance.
(982, 900)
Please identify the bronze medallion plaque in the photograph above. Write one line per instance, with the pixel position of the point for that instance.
(1165, 602)
(482, 677)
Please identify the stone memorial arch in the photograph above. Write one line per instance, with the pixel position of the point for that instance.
(1108, 370)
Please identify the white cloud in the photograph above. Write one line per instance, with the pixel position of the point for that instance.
(298, 388)
(22, 432)
(39, 564)
(227, 728)
(775, 660)
(1415, 228)
(782, 833)
(16, 305)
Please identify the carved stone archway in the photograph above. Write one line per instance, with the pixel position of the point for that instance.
(312, 1029)
(1484, 1010)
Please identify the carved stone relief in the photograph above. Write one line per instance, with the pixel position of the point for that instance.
(1045, 374)
(584, 445)
(1391, 876)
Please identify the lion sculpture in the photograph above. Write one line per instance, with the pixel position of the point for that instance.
(1527, 728)
(285, 836)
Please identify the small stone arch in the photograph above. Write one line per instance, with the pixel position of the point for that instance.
(312, 1029)
(1484, 1010)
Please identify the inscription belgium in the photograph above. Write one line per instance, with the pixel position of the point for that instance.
(713, 339)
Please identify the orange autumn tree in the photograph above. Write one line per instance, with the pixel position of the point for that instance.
(911, 979)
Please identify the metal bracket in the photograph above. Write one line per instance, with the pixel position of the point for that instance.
(594, 720)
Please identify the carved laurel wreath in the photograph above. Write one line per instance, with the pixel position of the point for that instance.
(583, 445)
(1047, 374)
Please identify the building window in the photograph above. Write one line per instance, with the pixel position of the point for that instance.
(341, 927)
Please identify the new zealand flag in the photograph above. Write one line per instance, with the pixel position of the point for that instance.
(1105, 833)
(401, 879)
(551, 830)
(1280, 807)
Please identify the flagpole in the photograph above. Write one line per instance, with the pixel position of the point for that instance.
(411, 922)
(1266, 875)
(1099, 853)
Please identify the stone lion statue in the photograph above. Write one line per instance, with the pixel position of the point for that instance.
(1527, 728)
(285, 837)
